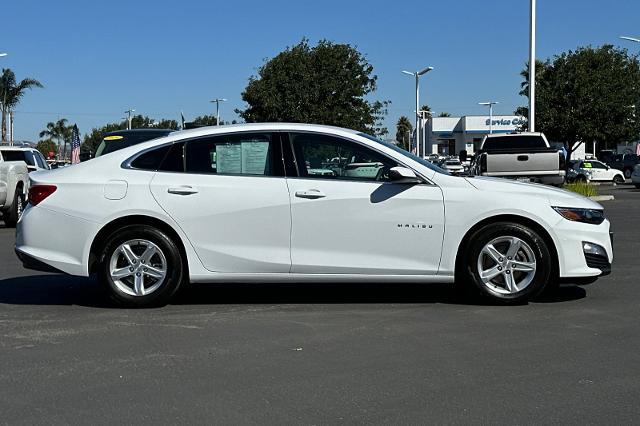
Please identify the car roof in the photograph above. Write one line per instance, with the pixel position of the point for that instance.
(506, 135)
(16, 148)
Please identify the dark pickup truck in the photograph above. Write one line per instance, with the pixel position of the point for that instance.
(522, 156)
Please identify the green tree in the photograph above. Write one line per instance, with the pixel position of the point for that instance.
(11, 92)
(403, 133)
(324, 84)
(59, 131)
(205, 120)
(444, 114)
(585, 95)
(46, 146)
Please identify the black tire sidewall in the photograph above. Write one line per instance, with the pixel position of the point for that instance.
(11, 216)
(539, 247)
(175, 267)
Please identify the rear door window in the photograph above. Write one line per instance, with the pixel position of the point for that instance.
(249, 154)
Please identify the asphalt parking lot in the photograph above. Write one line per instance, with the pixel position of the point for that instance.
(316, 354)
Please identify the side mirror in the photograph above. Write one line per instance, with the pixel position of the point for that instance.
(403, 175)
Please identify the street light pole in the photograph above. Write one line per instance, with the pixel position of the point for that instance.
(417, 75)
(490, 104)
(532, 67)
(128, 112)
(217, 102)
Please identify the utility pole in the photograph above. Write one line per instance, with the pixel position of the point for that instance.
(532, 66)
(128, 112)
(217, 102)
(11, 127)
(417, 75)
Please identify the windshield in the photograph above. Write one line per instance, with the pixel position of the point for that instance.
(113, 143)
(399, 150)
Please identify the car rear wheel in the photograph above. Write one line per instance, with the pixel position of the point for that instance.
(141, 267)
(508, 263)
(627, 173)
(12, 216)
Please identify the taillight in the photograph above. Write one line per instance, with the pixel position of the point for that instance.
(562, 161)
(38, 193)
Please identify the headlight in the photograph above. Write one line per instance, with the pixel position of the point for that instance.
(592, 216)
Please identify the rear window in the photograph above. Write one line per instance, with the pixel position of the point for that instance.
(14, 156)
(514, 141)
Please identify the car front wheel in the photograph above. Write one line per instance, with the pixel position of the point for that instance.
(618, 179)
(141, 267)
(508, 263)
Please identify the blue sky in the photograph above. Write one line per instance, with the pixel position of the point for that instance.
(97, 59)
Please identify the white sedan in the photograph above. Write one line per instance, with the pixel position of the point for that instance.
(241, 204)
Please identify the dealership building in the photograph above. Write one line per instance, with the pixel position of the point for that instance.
(450, 135)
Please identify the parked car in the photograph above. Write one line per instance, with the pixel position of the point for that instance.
(625, 163)
(114, 141)
(635, 176)
(14, 184)
(32, 157)
(239, 204)
(596, 171)
(452, 165)
(523, 156)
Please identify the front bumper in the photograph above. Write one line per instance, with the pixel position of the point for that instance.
(573, 260)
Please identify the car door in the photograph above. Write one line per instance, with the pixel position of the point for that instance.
(347, 217)
(231, 200)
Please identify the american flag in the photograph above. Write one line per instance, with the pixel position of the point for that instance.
(75, 145)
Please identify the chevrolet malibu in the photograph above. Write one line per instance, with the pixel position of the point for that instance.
(301, 203)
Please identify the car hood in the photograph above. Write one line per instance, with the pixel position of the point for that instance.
(555, 196)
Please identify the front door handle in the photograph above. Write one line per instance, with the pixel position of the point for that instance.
(182, 190)
(311, 194)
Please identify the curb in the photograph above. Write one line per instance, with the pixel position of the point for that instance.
(602, 198)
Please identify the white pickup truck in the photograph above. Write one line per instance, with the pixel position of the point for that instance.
(14, 185)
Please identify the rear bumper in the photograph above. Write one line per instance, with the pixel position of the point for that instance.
(30, 262)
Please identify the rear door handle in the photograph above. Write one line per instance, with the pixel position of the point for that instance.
(523, 157)
(182, 190)
(311, 194)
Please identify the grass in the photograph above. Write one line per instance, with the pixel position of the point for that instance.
(582, 188)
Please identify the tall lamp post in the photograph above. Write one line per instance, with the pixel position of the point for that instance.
(417, 75)
(128, 112)
(532, 66)
(217, 102)
(490, 104)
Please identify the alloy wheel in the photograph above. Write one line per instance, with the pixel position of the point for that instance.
(506, 265)
(138, 267)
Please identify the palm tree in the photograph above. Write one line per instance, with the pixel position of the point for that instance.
(541, 67)
(403, 133)
(10, 94)
(58, 131)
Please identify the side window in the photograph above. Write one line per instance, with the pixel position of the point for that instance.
(28, 158)
(174, 160)
(234, 154)
(328, 157)
(41, 163)
(151, 160)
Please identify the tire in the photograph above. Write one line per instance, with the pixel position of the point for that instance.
(627, 173)
(12, 216)
(617, 179)
(141, 267)
(581, 178)
(637, 186)
(510, 277)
